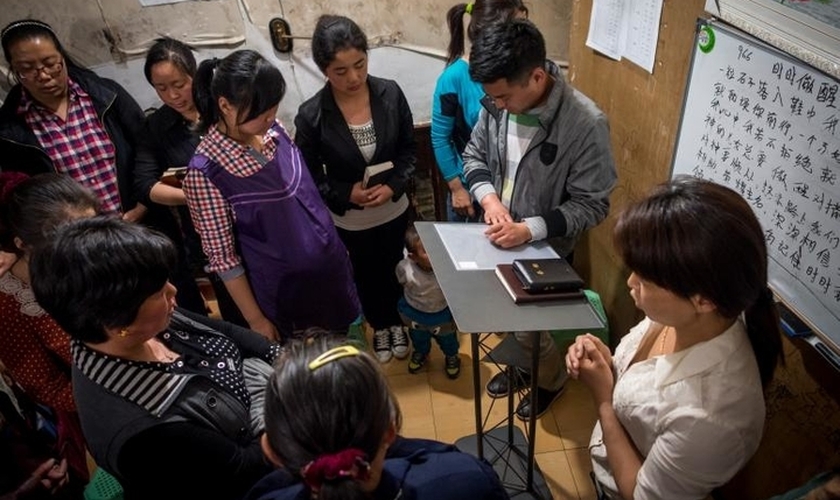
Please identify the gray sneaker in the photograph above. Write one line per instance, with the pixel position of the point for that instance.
(399, 342)
(382, 345)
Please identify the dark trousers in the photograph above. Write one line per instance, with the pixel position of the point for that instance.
(374, 254)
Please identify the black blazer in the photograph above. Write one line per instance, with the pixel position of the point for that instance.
(334, 158)
(167, 141)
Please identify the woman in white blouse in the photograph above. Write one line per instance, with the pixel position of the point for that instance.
(680, 403)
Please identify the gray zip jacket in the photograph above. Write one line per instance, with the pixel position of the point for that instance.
(566, 175)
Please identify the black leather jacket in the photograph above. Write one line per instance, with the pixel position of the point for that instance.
(118, 111)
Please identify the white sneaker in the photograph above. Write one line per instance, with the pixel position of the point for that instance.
(399, 342)
(382, 345)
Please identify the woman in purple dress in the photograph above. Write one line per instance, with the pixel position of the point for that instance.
(262, 222)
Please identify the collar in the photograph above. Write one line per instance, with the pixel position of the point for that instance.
(148, 385)
(234, 148)
(168, 118)
(546, 111)
(376, 87)
(27, 101)
(701, 357)
(22, 292)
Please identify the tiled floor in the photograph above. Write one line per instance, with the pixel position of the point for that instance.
(438, 408)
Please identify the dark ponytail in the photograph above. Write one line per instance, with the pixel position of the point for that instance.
(762, 319)
(245, 78)
(205, 104)
(482, 13)
(455, 21)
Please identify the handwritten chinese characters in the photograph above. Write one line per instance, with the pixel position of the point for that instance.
(767, 126)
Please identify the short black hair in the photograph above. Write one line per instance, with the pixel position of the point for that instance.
(333, 34)
(167, 49)
(95, 274)
(508, 50)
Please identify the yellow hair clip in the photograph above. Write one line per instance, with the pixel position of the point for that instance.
(469, 8)
(333, 354)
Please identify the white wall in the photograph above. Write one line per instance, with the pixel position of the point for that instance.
(408, 37)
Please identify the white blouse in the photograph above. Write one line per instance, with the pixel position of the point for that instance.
(696, 416)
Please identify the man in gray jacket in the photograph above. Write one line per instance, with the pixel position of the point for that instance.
(540, 164)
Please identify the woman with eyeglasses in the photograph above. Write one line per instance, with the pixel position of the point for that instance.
(60, 117)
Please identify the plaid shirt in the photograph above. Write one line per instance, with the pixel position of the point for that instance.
(78, 146)
(211, 213)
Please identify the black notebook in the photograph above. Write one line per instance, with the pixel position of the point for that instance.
(547, 275)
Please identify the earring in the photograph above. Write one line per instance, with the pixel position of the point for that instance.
(124, 333)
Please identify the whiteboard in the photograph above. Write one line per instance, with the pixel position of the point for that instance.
(766, 125)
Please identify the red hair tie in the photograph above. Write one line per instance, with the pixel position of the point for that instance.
(8, 182)
(350, 464)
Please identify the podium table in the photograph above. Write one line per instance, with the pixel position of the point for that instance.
(480, 304)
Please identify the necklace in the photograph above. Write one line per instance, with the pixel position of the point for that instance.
(664, 338)
(163, 354)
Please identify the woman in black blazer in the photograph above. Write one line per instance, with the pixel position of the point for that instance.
(354, 121)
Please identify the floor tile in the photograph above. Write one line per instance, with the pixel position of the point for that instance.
(558, 474)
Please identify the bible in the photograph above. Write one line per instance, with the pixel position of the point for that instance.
(547, 275)
(520, 295)
(173, 176)
(377, 174)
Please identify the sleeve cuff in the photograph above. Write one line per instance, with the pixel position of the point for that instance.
(481, 190)
(232, 273)
(538, 228)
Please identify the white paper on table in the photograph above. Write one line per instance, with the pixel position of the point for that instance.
(470, 250)
(642, 32)
(606, 28)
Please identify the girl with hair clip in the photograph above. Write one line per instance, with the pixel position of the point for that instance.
(169, 140)
(33, 347)
(261, 220)
(457, 99)
(354, 121)
(60, 117)
(344, 444)
(680, 403)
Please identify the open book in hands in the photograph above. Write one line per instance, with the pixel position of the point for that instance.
(174, 176)
(377, 174)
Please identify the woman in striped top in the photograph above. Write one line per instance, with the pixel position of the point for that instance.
(150, 379)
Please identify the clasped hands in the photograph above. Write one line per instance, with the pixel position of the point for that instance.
(372, 196)
(590, 361)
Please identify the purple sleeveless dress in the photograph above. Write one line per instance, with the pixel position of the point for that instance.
(298, 268)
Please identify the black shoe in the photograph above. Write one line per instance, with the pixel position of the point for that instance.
(544, 400)
(497, 387)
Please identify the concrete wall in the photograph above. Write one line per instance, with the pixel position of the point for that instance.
(111, 37)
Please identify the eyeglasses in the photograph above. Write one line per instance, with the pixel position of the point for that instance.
(51, 69)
